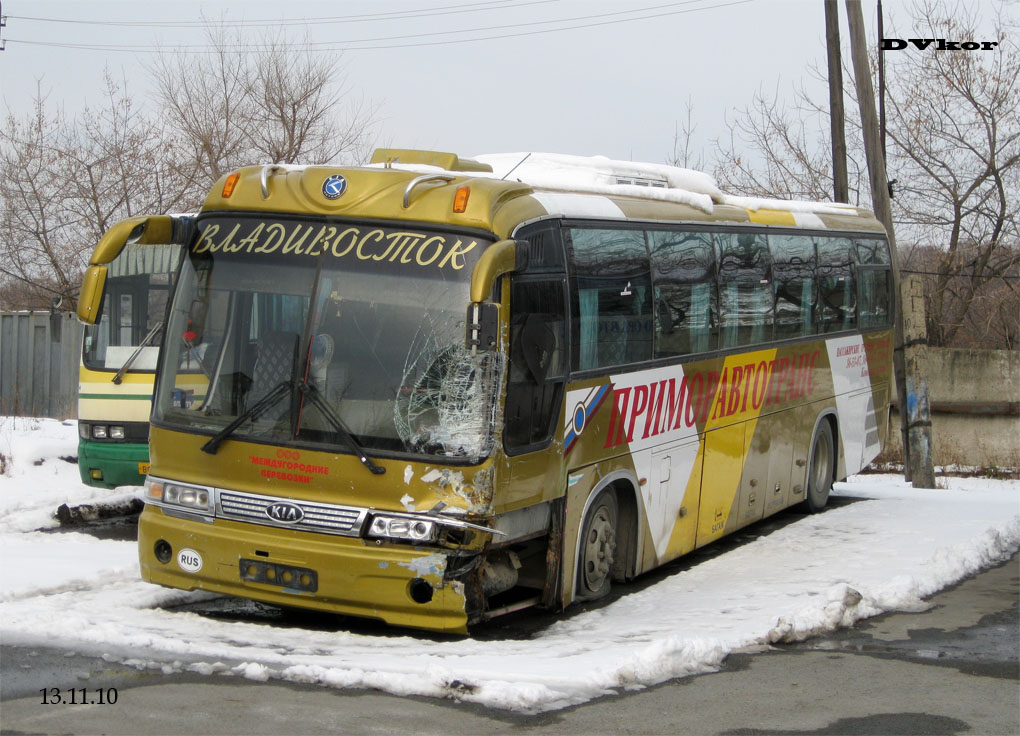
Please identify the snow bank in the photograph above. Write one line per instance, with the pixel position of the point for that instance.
(888, 550)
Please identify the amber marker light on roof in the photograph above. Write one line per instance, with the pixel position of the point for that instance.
(229, 184)
(460, 199)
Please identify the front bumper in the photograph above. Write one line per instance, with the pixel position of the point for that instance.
(354, 576)
(122, 463)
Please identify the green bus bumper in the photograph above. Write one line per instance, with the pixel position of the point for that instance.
(116, 463)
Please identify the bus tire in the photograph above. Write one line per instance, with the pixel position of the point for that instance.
(821, 463)
(597, 549)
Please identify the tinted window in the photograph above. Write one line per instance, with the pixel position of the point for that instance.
(872, 251)
(745, 292)
(793, 273)
(612, 298)
(686, 305)
(545, 253)
(537, 361)
(875, 297)
(837, 294)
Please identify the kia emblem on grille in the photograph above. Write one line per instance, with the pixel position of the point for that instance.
(286, 512)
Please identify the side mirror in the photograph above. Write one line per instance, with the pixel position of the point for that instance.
(147, 230)
(90, 298)
(504, 256)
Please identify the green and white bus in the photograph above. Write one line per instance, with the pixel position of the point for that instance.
(119, 350)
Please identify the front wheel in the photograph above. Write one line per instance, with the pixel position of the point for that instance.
(820, 468)
(598, 547)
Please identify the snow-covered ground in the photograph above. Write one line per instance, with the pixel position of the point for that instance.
(886, 552)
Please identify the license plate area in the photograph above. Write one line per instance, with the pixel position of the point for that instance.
(290, 578)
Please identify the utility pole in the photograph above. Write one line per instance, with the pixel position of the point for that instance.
(881, 79)
(911, 388)
(3, 24)
(840, 187)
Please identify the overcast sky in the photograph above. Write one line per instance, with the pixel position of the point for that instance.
(568, 76)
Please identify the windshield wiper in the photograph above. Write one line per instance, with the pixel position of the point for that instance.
(313, 393)
(266, 402)
(138, 351)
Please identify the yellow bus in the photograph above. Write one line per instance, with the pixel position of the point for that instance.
(119, 349)
(438, 390)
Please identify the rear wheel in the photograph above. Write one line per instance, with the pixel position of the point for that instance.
(820, 468)
(598, 547)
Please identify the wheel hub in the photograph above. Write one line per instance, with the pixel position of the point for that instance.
(599, 548)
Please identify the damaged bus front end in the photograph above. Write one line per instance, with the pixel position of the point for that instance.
(326, 419)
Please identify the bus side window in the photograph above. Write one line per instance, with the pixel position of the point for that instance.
(745, 290)
(872, 252)
(874, 281)
(537, 362)
(837, 291)
(613, 300)
(686, 306)
(793, 273)
(875, 297)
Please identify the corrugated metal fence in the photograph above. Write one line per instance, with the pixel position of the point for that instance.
(39, 355)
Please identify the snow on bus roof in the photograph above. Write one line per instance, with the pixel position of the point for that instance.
(605, 176)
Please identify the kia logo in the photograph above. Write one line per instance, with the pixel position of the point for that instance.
(288, 513)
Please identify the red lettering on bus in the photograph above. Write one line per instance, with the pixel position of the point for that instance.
(761, 378)
(678, 407)
(654, 413)
(734, 401)
(621, 398)
(640, 404)
(710, 393)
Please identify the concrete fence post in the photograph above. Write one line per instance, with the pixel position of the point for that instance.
(915, 403)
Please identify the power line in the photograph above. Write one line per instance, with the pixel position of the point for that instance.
(325, 20)
(330, 45)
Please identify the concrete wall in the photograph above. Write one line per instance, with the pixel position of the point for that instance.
(39, 358)
(975, 408)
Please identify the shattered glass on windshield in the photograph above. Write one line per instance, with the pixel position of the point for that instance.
(364, 352)
(447, 401)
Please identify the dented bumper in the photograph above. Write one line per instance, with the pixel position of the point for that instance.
(399, 584)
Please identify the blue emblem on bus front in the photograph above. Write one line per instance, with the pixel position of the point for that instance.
(334, 187)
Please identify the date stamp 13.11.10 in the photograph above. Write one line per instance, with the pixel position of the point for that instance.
(78, 696)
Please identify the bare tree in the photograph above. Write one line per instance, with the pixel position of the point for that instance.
(268, 101)
(64, 182)
(35, 229)
(956, 143)
(953, 150)
(684, 145)
(777, 150)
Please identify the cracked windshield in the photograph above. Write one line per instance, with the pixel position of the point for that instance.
(324, 333)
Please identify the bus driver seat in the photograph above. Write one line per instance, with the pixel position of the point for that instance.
(275, 363)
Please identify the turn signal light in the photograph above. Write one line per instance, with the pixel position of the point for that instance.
(460, 199)
(229, 184)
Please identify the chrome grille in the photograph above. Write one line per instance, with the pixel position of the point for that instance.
(318, 517)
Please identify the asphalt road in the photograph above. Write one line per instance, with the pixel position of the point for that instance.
(954, 669)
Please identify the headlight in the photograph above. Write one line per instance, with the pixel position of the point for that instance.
(116, 433)
(402, 527)
(83, 430)
(174, 494)
(99, 431)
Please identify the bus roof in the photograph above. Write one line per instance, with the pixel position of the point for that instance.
(506, 190)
